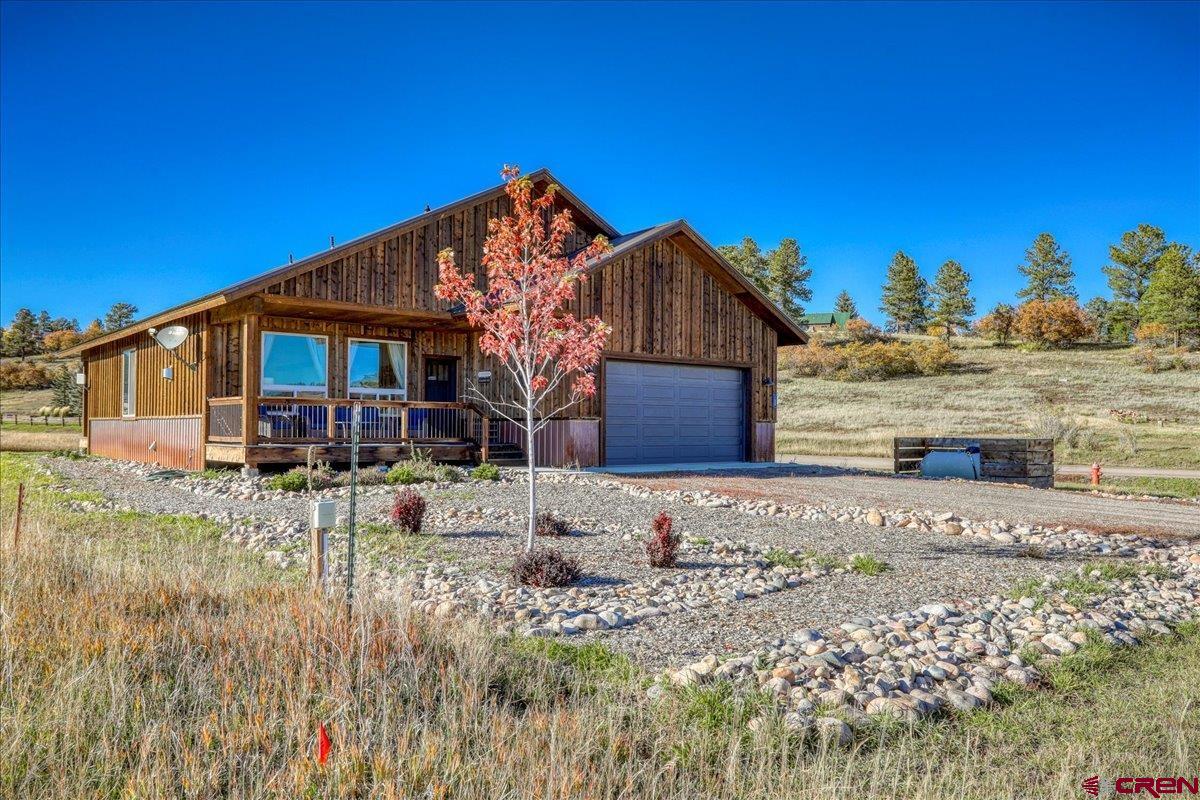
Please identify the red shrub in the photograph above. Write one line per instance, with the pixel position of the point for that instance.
(550, 525)
(408, 509)
(662, 544)
(545, 566)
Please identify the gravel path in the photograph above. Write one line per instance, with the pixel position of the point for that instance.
(819, 485)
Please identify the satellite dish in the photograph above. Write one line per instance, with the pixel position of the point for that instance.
(171, 336)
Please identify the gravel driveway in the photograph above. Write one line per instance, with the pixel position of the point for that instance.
(818, 485)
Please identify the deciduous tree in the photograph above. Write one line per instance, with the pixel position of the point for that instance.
(953, 304)
(522, 314)
(1053, 323)
(998, 323)
(1047, 268)
(905, 295)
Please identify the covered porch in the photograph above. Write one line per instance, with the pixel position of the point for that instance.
(284, 376)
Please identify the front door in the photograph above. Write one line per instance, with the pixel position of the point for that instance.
(441, 379)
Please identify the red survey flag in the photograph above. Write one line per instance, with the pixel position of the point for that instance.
(323, 744)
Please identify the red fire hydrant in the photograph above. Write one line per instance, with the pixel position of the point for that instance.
(1096, 473)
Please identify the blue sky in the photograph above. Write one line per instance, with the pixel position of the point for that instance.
(154, 152)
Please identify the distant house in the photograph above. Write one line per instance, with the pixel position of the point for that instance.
(273, 365)
(825, 320)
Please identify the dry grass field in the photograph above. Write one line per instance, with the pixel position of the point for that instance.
(1005, 391)
(142, 657)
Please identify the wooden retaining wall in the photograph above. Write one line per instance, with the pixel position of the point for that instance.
(1027, 461)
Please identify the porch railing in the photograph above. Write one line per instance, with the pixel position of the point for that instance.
(225, 419)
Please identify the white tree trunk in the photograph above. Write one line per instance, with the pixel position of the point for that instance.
(532, 477)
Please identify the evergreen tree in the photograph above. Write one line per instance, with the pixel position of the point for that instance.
(120, 315)
(1048, 270)
(65, 390)
(953, 304)
(845, 304)
(1172, 297)
(1115, 320)
(787, 276)
(1133, 261)
(22, 338)
(749, 259)
(905, 294)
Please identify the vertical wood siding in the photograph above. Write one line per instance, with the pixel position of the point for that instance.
(155, 395)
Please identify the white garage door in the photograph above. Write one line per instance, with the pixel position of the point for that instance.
(656, 413)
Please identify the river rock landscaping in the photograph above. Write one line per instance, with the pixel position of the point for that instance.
(951, 606)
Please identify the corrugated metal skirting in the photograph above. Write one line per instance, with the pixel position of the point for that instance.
(168, 442)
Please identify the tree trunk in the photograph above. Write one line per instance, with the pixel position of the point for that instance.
(532, 477)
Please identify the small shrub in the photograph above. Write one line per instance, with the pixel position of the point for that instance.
(486, 472)
(868, 360)
(408, 510)
(402, 474)
(549, 525)
(1129, 440)
(545, 566)
(1146, 359)
(444, 473)
(663, 544)
(868, 565)
(859, 330)
(366, 477)
(1053, 323)
(1152, 334)
(1087, 439)
(294, 480)
(933, 358)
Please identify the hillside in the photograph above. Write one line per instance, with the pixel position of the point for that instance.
(1005, 391)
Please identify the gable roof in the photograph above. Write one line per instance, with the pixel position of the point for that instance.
(838, 318)
(789, 332)
(787, 329)
(249, 286)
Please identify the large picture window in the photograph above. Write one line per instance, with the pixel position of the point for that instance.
(377, 370)
(295, 365)
(129, 383)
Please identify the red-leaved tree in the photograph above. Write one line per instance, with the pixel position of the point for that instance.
(521, 313)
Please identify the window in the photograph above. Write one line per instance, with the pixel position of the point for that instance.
(377, 370)
(129, 382)
(294, 365)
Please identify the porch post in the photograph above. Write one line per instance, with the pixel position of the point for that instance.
(251, 352)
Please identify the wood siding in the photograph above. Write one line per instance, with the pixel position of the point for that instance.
(155, 395)
(399, 270)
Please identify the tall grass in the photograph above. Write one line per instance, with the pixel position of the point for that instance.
(142, 657)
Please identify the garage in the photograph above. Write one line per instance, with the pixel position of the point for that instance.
(660, 413)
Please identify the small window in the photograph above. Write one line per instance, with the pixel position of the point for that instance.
(129, 382)
(377, 370)
(294, 365)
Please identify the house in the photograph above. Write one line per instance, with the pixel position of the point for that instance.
(825, 320)
(272, 366)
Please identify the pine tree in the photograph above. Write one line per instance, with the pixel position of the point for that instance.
(1172, 297)
(1047, 267)
(953, 304)
(748, 258)
(905, 294)
(120, 315)
(22, 338)
(65, 390)
(845, 304)
(1133, 261)
(787, 276)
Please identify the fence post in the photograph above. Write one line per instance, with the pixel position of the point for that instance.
(17, 523)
